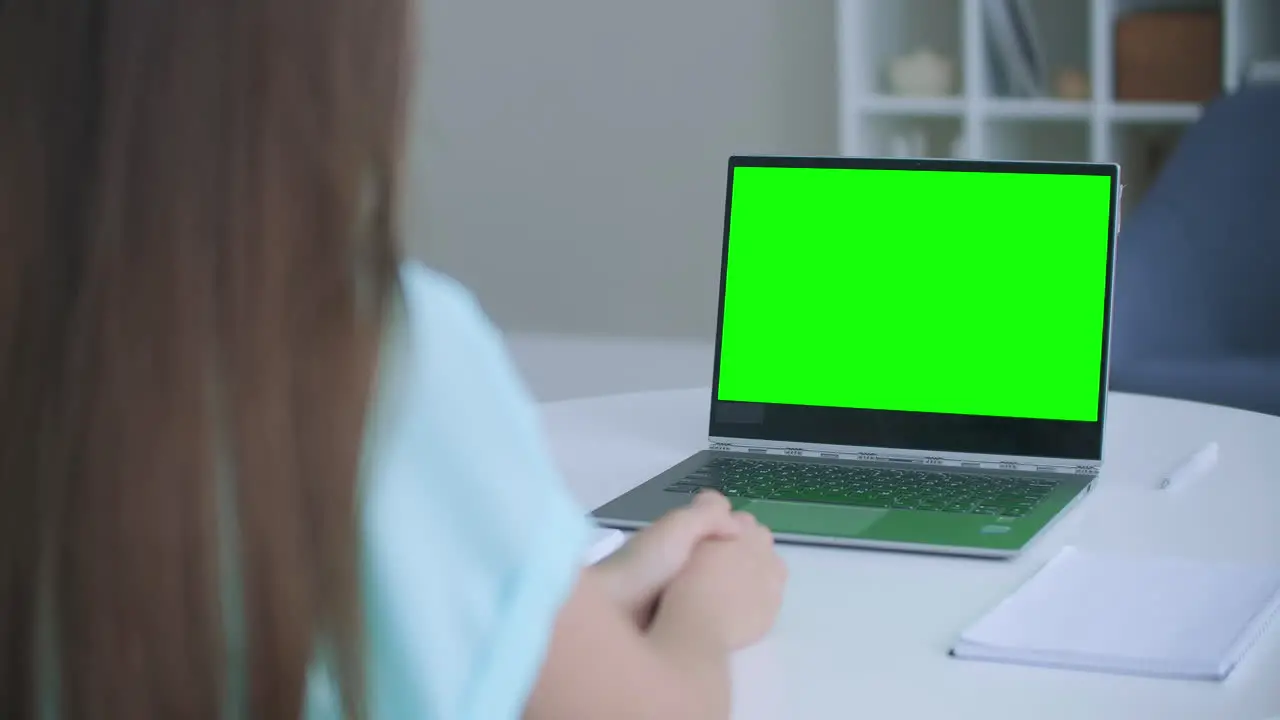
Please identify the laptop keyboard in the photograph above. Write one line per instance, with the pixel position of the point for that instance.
(938, 491)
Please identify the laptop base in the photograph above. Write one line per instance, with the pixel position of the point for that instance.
(843, 525)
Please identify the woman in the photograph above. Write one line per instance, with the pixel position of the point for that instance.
(250, 464)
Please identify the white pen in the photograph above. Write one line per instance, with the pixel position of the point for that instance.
(604, 542)
(1193, 468)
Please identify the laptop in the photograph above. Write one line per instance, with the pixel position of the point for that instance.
(910, 354)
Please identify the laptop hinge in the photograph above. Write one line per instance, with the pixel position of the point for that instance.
(974, 462)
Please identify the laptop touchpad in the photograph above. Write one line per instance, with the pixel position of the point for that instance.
(814, 518)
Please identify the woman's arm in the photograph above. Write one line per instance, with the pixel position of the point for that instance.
(475, 592)
(601, 664)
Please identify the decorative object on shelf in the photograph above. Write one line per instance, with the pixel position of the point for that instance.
(1072, 84)
(1017, 56)
(923, 73)
(1169, 55)
(1263, 71)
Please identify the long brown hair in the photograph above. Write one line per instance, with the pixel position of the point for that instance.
(195, 249)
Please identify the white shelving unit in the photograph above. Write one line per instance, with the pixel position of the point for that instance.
(975, 122)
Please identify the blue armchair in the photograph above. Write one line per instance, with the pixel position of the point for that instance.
(1197, 294)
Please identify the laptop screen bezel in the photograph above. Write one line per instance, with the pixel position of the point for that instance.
(937, 433)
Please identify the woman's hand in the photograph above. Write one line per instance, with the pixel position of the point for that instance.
(639, 571)
(728, 595)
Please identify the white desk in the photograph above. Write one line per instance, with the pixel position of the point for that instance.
(864, 634)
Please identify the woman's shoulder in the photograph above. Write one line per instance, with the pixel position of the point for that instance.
(439, 349)
(445, 295)
(443, 363)
(433, 302)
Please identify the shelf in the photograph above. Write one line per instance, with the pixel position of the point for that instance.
(1033, 109)
(883, 32)
(1154, 112)
(919, 136)
(1255, 26)
(1037, 139)
(987, 118)
(1062, 29)
(919, 106)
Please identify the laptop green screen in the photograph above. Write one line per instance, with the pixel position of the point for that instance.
(975, 293)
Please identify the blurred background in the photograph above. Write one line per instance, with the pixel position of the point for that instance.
(569, 159)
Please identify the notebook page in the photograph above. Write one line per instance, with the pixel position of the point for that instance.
(1168, 610)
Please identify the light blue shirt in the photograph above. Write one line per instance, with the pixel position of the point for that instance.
(471, 541)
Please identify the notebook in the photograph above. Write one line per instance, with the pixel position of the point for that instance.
(1157, 616)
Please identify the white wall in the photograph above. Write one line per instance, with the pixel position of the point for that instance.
(569, 155)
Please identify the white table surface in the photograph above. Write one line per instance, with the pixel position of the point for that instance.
(864, 634)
